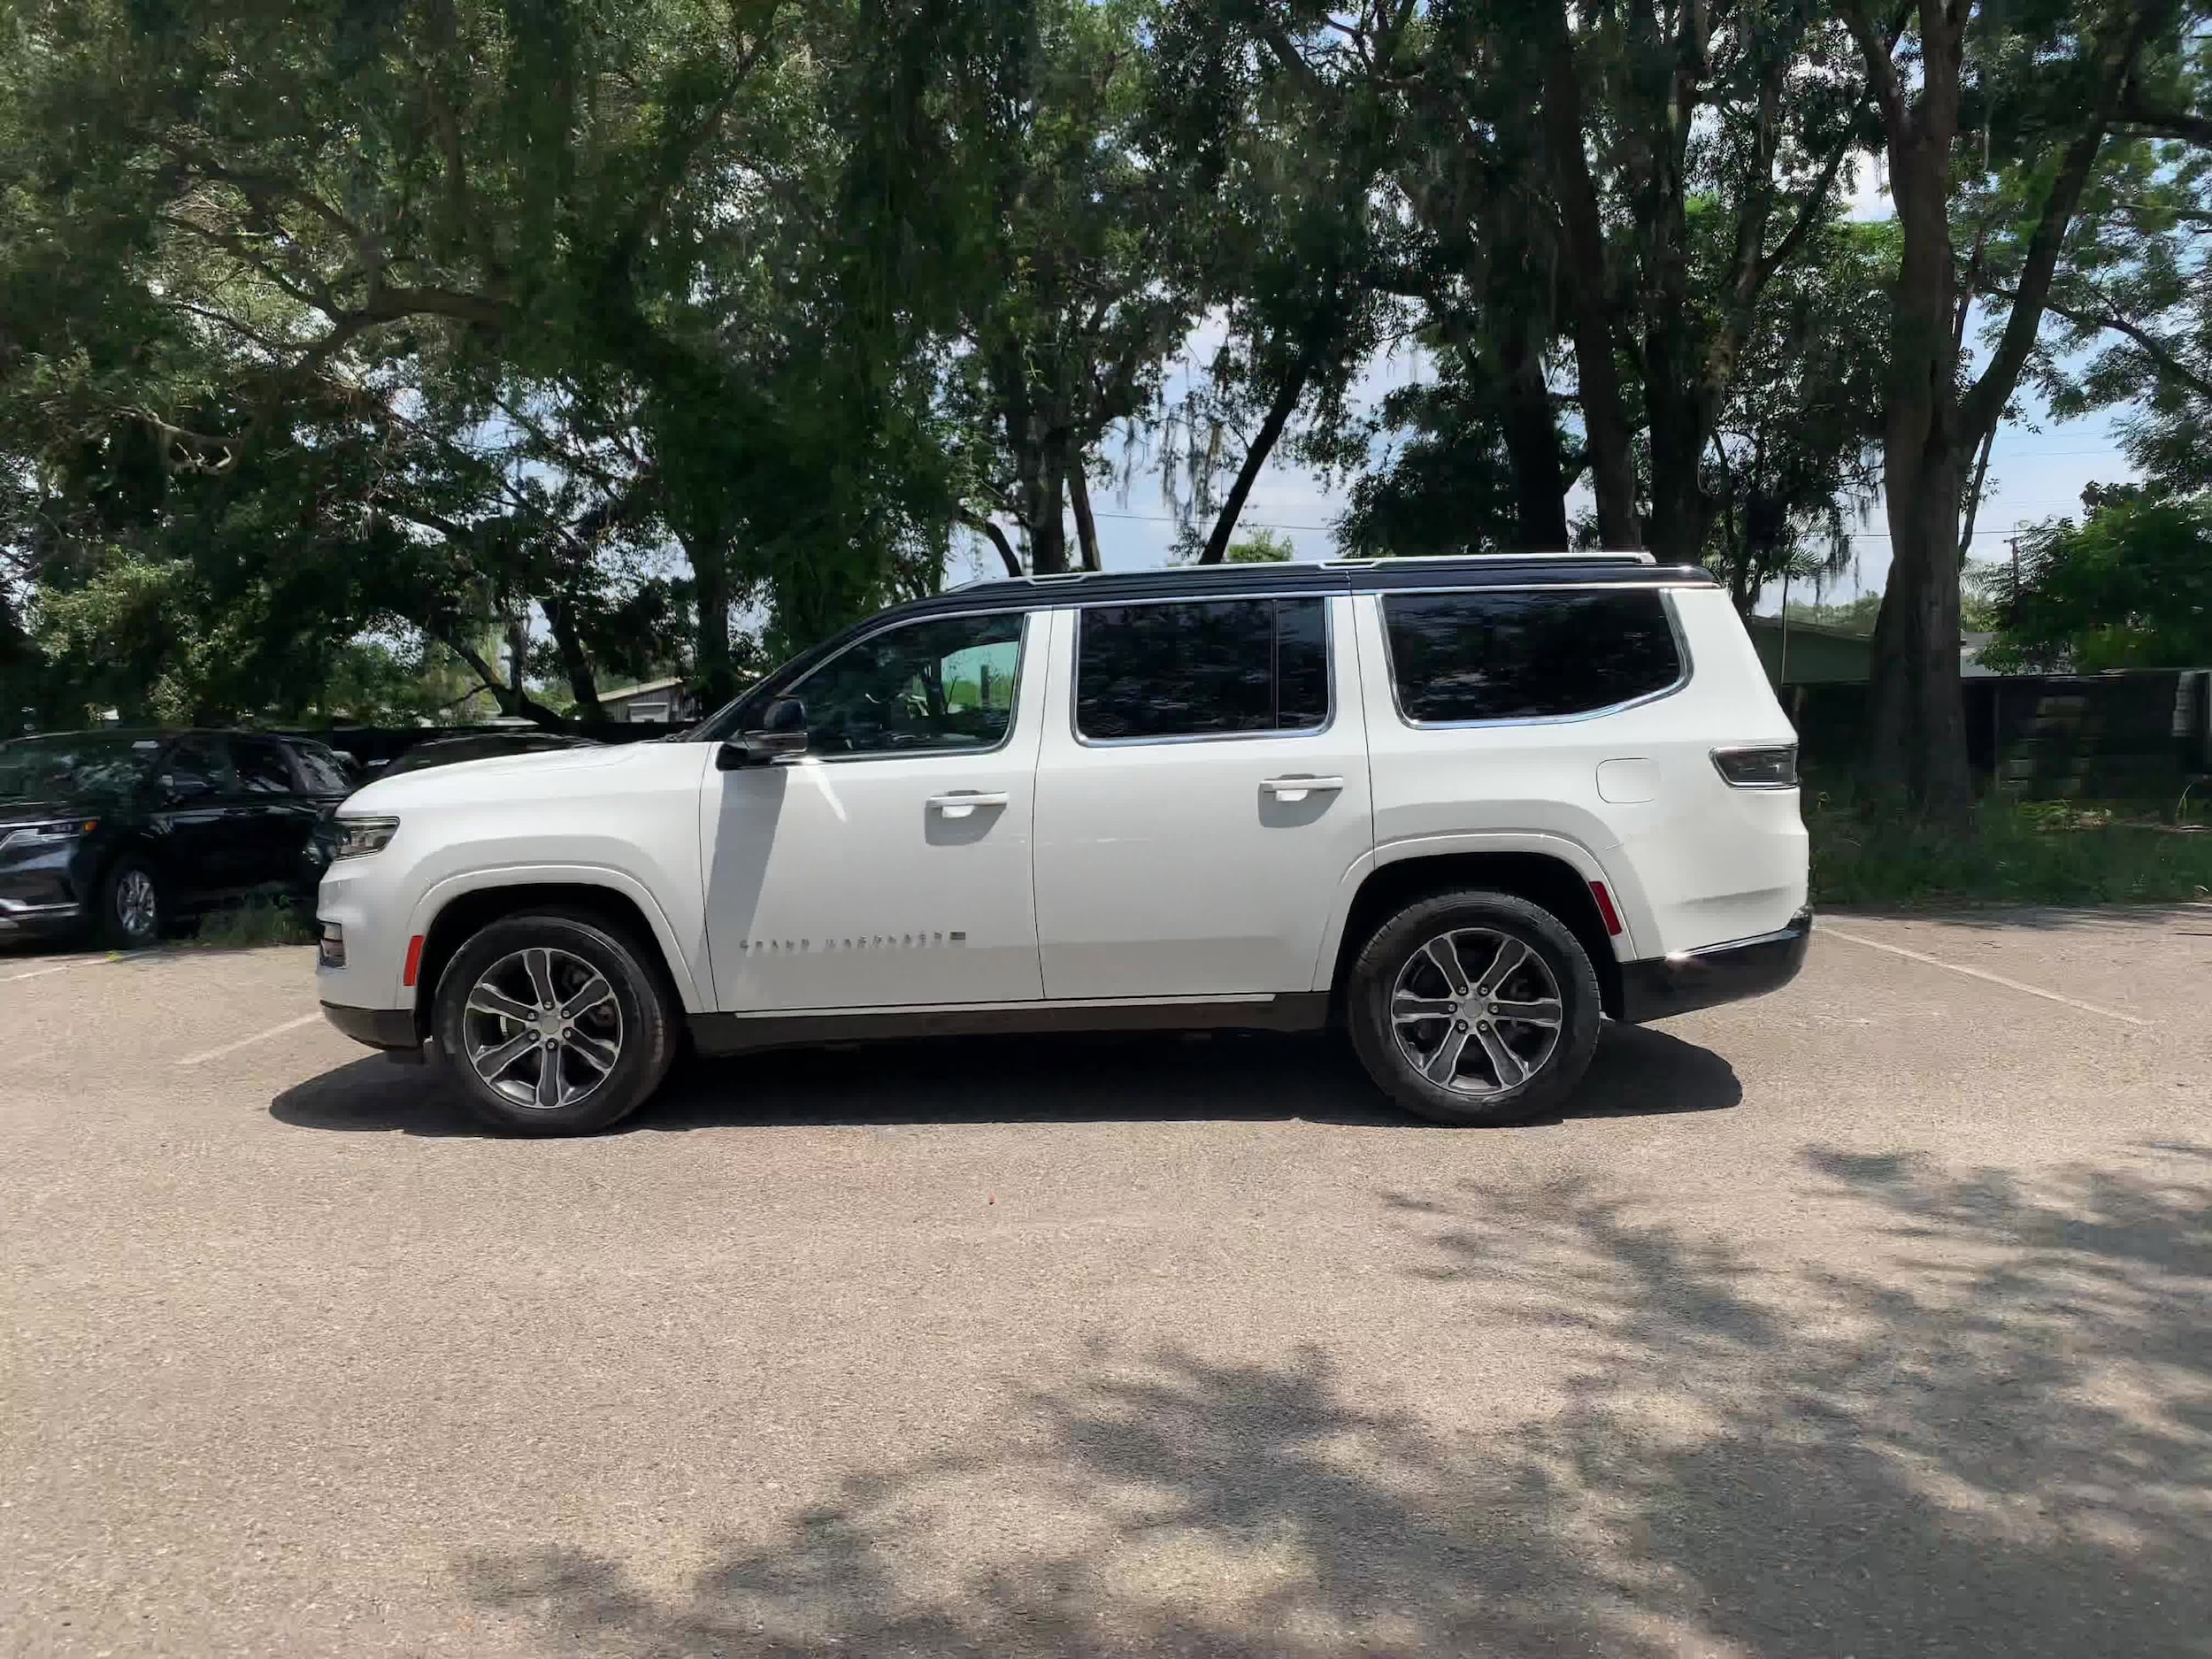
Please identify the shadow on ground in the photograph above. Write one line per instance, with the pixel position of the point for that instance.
(1995, 1439)
(1026, 1080)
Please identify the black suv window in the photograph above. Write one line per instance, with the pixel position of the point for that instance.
(325, 773)
(946, 684)
(262, 768)
(1527, 654)
(193, 766)
(1202, 669)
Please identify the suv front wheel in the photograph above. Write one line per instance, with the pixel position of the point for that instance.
(1474, 1007)
(553, 1023)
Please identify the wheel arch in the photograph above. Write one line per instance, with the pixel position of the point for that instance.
(458, 916)
(1544, 879)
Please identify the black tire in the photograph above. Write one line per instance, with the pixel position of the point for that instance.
(134, 908)
(1477, 1087)
(636, 1018)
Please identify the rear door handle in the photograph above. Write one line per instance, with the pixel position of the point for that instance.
(1298, 789)
(961, 803)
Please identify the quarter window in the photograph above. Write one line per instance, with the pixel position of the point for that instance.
(1527, 654)
(943, 684)
(1207, 669)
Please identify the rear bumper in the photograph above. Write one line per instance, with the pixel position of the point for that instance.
(379, 1027)
(1662, 986)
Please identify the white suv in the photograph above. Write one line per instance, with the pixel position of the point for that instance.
(1466, 807)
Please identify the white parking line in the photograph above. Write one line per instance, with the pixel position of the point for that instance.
(64, 967)
(1976, 973)
(259, 1036)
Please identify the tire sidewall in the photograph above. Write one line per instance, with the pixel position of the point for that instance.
(111, 929)
(1374, 977)
(649, 1040)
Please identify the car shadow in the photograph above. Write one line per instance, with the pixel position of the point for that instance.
(1255, 1077)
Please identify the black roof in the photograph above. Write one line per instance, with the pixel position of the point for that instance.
(1491, 570)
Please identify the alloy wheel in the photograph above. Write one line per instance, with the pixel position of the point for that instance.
(137, 906)
(543, 1028)
(1476, 1010)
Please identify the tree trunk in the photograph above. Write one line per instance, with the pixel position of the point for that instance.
(1278, 414)
(1086, 527)
(1589, 303)
(713, 674)
(1531, 446)
(1049, 530)
(1917, 730)
(583, 684)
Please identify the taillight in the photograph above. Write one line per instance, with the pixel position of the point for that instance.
(1768, 766)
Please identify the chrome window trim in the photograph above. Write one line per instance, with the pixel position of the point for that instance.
(1075, 673)
(1666, 608)
(1013, 722)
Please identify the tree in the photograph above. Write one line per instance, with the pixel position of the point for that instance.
(2131, 586)
(1793, 448)
(2054, 79)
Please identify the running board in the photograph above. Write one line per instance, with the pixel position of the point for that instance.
(717, 1035)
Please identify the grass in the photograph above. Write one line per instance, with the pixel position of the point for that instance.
(257, 922)
(2012, 852)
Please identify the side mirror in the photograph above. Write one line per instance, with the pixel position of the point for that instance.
(782, 731)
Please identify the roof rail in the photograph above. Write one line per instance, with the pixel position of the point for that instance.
(1568, 557)
(1056, 578)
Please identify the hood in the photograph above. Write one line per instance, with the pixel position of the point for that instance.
(496, 775)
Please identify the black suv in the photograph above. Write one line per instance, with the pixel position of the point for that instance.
(117, 833)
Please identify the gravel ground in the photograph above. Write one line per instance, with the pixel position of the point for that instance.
(1868, 1318)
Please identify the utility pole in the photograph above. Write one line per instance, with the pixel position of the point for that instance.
(2014, 542)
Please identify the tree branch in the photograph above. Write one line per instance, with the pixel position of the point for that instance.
(983, 526)
(2156, 349)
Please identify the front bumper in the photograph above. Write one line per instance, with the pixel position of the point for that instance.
(392, 1028)
(39, 921)
(1662, 986)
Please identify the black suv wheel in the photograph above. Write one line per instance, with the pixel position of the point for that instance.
(1474, 1007)
(132, 914)
(553, 1023)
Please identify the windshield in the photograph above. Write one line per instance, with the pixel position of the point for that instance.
(91, 765)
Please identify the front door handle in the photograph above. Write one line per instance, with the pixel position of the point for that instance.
(1298, 789)
(961, 803)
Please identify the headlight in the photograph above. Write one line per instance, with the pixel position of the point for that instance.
(358, 836)
(47, 835)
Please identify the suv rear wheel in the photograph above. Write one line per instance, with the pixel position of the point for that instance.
(1474, 1007)
(553, 1023)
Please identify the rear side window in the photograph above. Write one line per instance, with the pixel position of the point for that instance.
(1527, 654)
(261, 766)
(1212, 668)
(325, 773)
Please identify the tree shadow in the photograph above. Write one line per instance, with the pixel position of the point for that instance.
(1992, 1434)
(1234, 1076)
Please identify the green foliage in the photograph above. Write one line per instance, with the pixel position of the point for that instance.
(2129, 588)
(1261, 547)
(1856, 616)
(2005, 852)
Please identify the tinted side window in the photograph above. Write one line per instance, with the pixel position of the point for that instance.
(193, 766)
(325, 773)
(262, 768)
(1217, 666)
(1527, 654)
(946, 684)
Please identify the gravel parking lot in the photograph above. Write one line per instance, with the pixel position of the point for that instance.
(1874, 1318)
